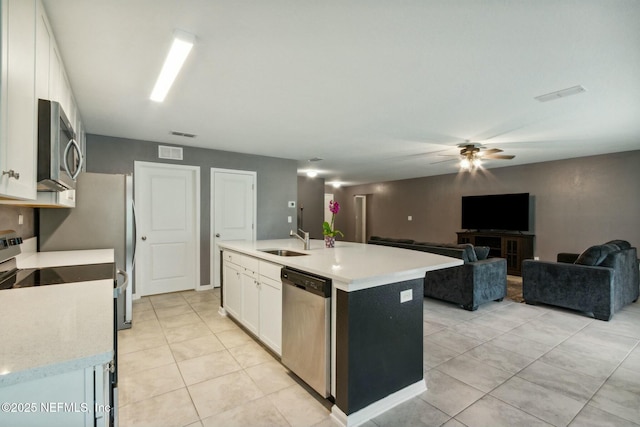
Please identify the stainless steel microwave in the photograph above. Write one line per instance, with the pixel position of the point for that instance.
(59, 154)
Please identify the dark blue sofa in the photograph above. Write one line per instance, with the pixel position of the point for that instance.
(601, 280)
(477, 281)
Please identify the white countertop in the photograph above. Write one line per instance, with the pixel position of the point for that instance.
(48, 330)
(354, 265)
(62, 258)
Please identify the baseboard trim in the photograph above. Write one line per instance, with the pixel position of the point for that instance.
(377, 408)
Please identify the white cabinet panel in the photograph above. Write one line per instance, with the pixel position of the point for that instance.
(251, 303)
(43, 53)
(232, 291)
(17, 100)
(271, 313)
(61, 400)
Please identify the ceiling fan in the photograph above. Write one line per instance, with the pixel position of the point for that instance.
(472, 154)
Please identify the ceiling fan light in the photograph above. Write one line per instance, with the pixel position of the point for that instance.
(477, 162)
(465, 164)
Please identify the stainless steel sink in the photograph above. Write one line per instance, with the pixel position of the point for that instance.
(282, 252)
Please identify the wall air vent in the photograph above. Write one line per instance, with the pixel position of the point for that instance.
(169, 153)
(561, 93)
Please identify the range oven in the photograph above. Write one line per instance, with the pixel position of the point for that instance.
(13, 278)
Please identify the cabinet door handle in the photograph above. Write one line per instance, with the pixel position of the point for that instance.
(11, 173)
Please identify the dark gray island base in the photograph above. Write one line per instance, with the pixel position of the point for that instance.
(378, 343)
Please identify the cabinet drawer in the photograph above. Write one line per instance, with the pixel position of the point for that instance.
(276, 284)
(250, 263)
(230, 256)
(270, 270)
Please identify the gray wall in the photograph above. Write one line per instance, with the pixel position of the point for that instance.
(276, 182)
(9, 220)
(577, 202)
(311, 205)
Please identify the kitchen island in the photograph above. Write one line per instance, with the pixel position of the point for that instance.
(57, 342)
(376, 318)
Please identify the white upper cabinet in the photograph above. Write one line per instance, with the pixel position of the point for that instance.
(18, 107)
(32, 68)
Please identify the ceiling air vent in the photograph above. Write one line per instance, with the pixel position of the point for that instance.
(169, 153)
(183, 134)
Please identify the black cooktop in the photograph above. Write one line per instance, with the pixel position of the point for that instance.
(58, 275)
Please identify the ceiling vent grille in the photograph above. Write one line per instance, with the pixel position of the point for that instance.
(183, 134)
(169, 153)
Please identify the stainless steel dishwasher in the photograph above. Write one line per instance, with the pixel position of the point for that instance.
(306, 333)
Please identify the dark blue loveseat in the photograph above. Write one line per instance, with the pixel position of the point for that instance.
(478, 280)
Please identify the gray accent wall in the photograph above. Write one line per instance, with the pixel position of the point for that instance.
(576, 203)
(311, 205)
(276, 182)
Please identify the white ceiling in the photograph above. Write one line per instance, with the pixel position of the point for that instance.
(370, 86)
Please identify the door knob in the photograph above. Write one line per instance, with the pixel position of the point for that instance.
(217, 234)
(144, 237)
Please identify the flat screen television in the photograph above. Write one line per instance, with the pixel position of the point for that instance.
(506, 212)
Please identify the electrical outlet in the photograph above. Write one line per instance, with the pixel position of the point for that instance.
(406, 295)
(536, 258)
(409, 218)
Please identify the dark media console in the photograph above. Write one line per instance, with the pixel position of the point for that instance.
(513, 246)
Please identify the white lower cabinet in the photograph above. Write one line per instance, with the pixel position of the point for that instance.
(76, 398)
(252, 294)
(271, 313)
(232, 293)
(251, 301)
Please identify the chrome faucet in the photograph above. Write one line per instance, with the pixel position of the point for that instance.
(305, 239)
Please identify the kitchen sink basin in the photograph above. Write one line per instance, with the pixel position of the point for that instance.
(282, 252)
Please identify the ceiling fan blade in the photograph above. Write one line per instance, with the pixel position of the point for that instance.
(449, 155)
(443, 161)
(498, 156)
(491, 151)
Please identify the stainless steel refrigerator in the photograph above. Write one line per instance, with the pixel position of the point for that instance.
(103, 218)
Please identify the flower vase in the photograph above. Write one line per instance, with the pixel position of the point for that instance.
(329, 241)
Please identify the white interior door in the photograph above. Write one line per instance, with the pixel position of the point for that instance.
(233, 200)
(168, 233)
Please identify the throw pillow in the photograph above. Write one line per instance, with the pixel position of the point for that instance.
(595, 254)
(621, 244)
(469, 254)
(482, 252)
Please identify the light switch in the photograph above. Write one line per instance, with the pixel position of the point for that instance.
(289, 220)
(406, 295)
(409, 218)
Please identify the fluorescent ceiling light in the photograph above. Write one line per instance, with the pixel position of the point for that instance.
(561, 93)
(182, 44)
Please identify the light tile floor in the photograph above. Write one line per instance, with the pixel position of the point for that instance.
(506, 364)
